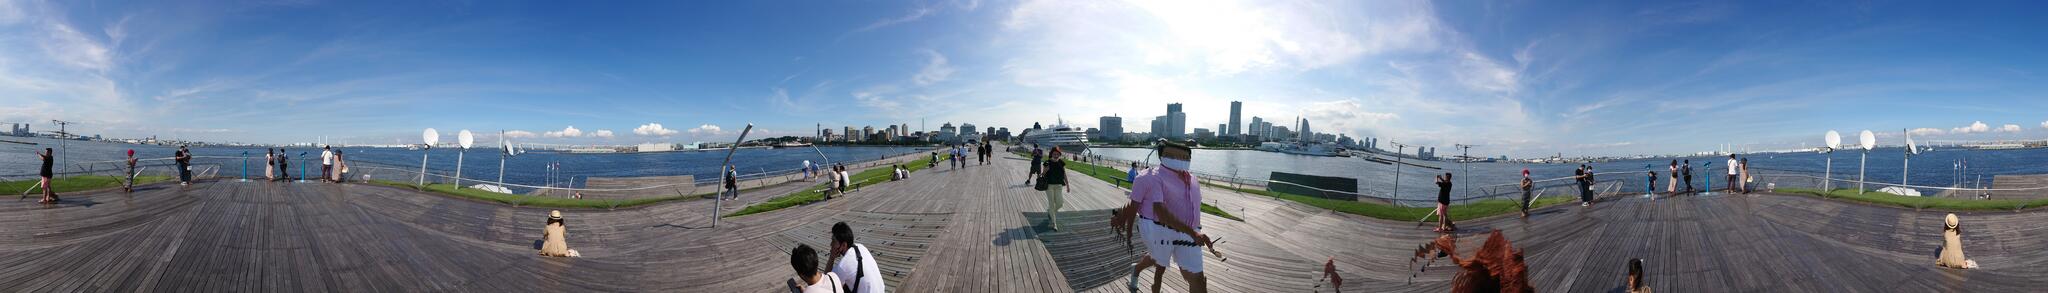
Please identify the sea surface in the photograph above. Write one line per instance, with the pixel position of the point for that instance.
(1935, 168)
(530, 168)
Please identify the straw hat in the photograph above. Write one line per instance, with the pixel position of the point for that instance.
(1951, 220)
(555, 214)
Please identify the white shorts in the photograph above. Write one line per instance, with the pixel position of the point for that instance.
(1159, 243)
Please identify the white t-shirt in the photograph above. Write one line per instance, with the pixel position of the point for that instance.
(326, 157)
(827, 284)
(1731, 167)
(807, 165)
(870, 282)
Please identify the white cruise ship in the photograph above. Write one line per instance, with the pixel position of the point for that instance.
(1069, 140)
(1306, 149)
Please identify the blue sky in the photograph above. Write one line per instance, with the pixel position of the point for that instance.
(1522, 78)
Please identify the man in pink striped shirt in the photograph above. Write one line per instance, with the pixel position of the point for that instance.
(1166, 207)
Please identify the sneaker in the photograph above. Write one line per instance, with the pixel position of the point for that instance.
(1134, 279)
(1585, 204)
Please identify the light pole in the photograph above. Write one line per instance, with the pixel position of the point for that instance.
(1834, 141)
(508, 152)
(1398, 148)
(1869, 140)
(61, 141)
(1466, 164)
(465, 139)
(718, 204)
(430, 137)
(1905, 168)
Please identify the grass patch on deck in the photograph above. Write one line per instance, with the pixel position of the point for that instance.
(1940, 203)
(79, 183)
(1460, 212)
(535, 201)
(816, 192)
(1116, 177)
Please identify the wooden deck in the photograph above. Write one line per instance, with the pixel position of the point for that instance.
(975, 229)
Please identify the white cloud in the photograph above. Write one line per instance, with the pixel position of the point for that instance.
(706, 129)
(520, 134)
(1924, 131)
(935, 70)
(602, 133)
(2044, 124)
(1977, 127)
(653, 129)
(566, 132)
(2009, 128)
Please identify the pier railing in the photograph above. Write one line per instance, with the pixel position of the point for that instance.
(1609, 184)
(572, 185)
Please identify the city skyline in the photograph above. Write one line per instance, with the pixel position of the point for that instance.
(1574, 78)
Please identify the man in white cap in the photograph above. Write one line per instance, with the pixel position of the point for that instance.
(1166, 209)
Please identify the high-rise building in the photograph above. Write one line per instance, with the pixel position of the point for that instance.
(850, 135)
(1112, 128)
(867, 133)
(947, 133)
(1257, 128)
(1306, 134)
(1159, 124)
(1236, 110)
(1176, 122)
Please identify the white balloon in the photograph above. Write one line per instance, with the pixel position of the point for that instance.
(431, 137)
(465, 138)
(1834, 139)
(1868, 139)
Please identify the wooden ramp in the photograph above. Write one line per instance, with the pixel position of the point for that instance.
(973, 229)
(677, 186)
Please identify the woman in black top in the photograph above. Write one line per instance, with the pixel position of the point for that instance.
(49, 195)
(1055, 181)
(284, 170)
(1443, 204)
(1526, 184)
(1585, 186)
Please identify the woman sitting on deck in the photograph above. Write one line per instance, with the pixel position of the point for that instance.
(1952, 246)
(554, 240)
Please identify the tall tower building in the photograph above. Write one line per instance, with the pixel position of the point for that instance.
(1236, 110)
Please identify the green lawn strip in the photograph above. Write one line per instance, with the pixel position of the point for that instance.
(542, 201)
(1116, 177)
(80, 183)
(1460, 212)
(1940, 203)
(816, 192)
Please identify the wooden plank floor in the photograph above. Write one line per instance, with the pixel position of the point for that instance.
(973, 229)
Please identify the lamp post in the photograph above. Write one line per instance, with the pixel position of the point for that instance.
(1869, 141)
(430, 137)
(1398, 148)
(1834, 141)
(718, 204)
(465, 139)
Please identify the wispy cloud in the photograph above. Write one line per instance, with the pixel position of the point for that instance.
(520, 134)
(913, 15)
(1925, 131)
(935, 70)
(602, 133)
(2009, 128)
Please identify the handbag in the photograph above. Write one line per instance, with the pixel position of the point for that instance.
(1041, 186)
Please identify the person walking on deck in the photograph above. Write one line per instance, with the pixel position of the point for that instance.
(1734, 180)
(1671, 188)
(1526, 185)
(269, 164)
(1650, 188)
(1165, 210)
(284, 171)
(184, 159)
(853, 263)
(326, 163)
(807, 170)
(1585, 184)
(1055, 182)
(1037, 159)
(732, 184)
(129, 185)
(1686, 167)
(1443, 204)
(48, 175)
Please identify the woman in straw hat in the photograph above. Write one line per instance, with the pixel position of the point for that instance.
(1952, 246)
(554, 240)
